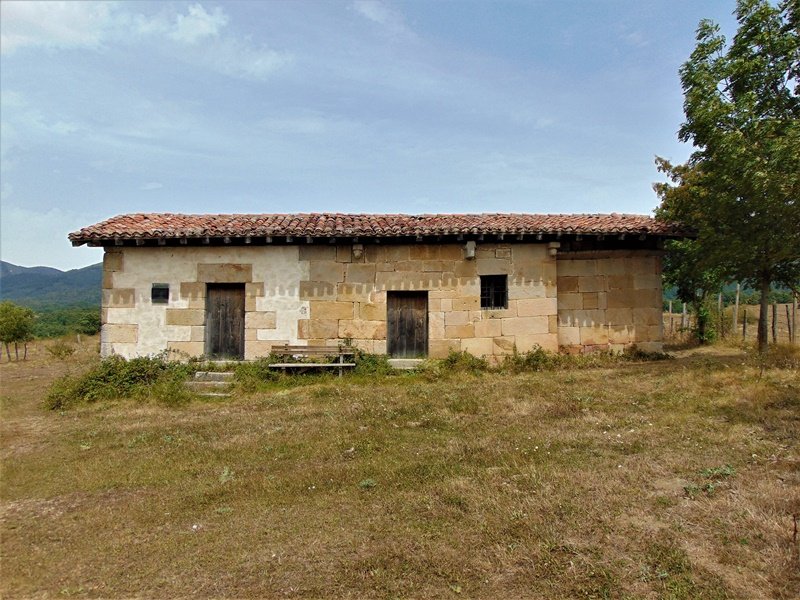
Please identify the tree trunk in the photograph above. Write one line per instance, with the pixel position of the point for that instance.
(763, 315)
(8, 352)
(25, 353)
(16, 351)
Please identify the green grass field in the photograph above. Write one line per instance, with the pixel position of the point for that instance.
(670, 479)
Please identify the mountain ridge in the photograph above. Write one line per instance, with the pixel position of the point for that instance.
(46, 287)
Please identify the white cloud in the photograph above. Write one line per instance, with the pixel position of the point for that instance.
(53, 24)
(242, 59)
(198, 24)
(380, 12)
(151, 185)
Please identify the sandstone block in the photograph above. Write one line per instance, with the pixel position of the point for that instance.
(317, 252)
(459, 331)
(620, 282)
(383, 266)
(224, 273)
(468, 303)
(362, 329)
(113, 260)
(460, 317)
(254, 290)
(620, 299)
(371, 312)
(646, 281)
(317, 329)
(353, 292)
(108, 280)
(535, 307)
(331, 310)
(257, 348)
(569, 301)
(618, 334)
(437, 266)
(185, 316)
(360, 273)
(328, 271)
(504, 345)
(569, 336)
(521, 289)
(567, 284)
(379, 346)
(548, 341)
(119, 298)
(504, 253)
(488, 328)
(451, 252)
(424, 252)
(441, 348)
(260, 320)
(198, 333)
(552, 323)
(193, 291)
(525, 325)
(466, 268)
(647, 316)
(344, 253)
(436, 325)
(529, 252)
(492, 266)
(619, 316)
(478, 346)
(594, 335)
(397, 253)
(121, 333)
(592, 283)
(186, 349)
(612, 266)
(576, 267)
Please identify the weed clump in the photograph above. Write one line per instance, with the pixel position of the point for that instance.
(142, 378)
(60, 349)
(371, 364)
(250, 376)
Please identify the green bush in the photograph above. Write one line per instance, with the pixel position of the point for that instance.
(371, 364)
(253, 374)
(464, 362)
(115, 377)
(535, 359)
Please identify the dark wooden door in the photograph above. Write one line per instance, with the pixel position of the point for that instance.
(225, 321)
(407, 327)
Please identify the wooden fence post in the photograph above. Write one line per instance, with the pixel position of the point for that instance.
(744, 323)
(789, 324)
(684, 318)
(736, 308)
(774, 323)
(794, 318)
(719, 312)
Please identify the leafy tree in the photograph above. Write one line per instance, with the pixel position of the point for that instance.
(742, 108)
(686, 265)
(16, 326)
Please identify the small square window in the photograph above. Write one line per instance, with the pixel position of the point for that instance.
(159, 294)
(494, 291)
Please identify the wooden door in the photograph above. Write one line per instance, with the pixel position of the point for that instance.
(225, 321)
(407, 327)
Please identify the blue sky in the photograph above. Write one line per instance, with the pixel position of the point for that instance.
(357, 106)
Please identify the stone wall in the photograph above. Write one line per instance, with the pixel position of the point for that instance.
(609, 301)
(134, 326)
(346, 292)
(325, 293)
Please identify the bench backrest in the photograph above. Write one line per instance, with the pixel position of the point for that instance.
(312, 350)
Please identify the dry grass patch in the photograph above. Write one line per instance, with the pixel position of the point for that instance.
(674, 479)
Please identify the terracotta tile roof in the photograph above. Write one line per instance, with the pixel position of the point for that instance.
(169, 225)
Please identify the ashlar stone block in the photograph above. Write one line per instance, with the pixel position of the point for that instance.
(224, 272)
(331, 310)
(185, 316)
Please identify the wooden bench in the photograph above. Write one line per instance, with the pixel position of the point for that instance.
(313, 352)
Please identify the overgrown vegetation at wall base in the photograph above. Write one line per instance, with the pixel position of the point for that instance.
(146, 378)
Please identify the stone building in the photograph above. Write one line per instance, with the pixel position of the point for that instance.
(406, 285)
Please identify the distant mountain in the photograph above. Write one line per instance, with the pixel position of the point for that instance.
(46, 287)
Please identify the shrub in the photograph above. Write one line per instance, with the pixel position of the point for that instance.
(60, 349)
(535, 359)
(116, 377)
(464, 362)
(253, 374)
(371, 364)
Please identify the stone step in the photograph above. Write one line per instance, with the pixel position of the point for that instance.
(213, 376)
(407, 364)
